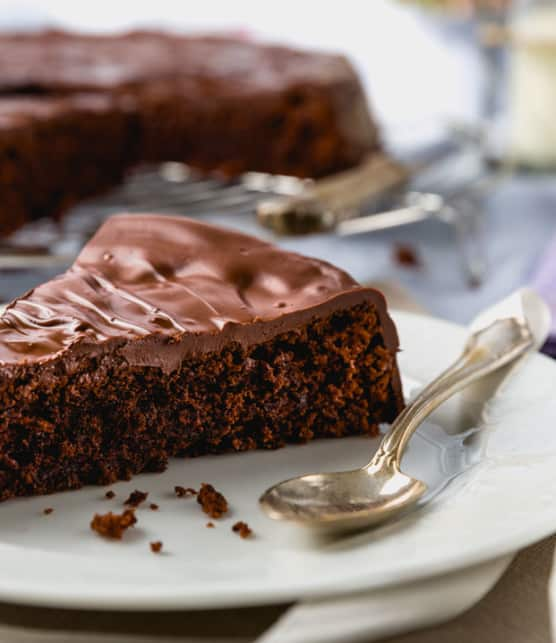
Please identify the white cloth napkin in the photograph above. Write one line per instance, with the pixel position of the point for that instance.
(371, 616)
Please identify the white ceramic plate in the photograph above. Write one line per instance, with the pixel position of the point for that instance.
(501, 496)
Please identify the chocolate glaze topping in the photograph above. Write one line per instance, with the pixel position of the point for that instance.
(58, 61)
(156, 288)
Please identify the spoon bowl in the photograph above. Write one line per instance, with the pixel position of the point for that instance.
(346, 499)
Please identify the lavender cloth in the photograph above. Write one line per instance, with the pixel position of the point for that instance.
(544, 282)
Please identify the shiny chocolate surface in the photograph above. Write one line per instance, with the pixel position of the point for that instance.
(157, 288)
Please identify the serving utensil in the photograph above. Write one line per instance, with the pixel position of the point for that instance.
(293, 206)
(446, 181)
(450, 187)
(175, 188)
(380, 490)
(323, 204)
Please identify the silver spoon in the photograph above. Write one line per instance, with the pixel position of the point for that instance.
(378, 491)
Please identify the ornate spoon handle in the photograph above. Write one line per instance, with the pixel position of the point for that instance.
(487, 350)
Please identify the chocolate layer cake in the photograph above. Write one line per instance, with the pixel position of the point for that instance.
(169, 337)
(216, 103)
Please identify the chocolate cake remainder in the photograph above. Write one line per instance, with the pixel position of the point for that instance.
(214, 102)
(170, 337)
(56, 151)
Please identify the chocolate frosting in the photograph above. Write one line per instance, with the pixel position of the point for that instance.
(63, 61)
(156, 288)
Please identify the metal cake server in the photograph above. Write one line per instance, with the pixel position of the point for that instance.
(380, 490)
(450, 186)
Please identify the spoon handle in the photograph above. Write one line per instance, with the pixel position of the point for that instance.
(487, 350)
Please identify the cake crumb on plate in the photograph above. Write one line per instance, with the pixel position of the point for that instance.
(243, 529)
(111, 525)
(212, 502)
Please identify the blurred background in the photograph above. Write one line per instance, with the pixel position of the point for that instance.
(464, 94)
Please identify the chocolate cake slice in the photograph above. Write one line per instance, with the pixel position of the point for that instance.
(170, 337)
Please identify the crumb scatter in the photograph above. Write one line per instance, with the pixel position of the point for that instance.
(243, 529)
(406, 256)
(136, 498)
(212, 502)
(112, 525)
(210, 525)
(153, 506)
(156, 547)
(110, 494)
(47, 511)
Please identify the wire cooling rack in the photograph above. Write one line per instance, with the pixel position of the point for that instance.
(171, 188)
(45, 247)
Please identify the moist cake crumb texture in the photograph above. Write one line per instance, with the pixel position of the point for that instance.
(112, 525)
(212, 502)
(156, 547)
(242, 529)
(169, 337)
